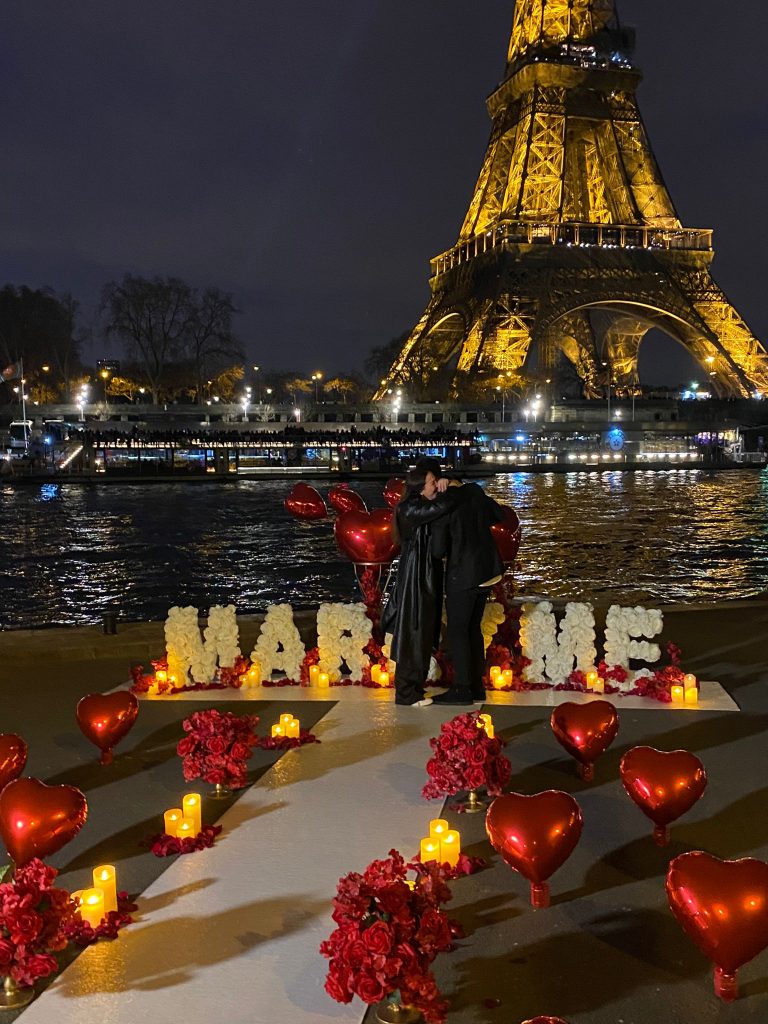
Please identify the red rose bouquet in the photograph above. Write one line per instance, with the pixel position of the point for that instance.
(217, 747)
(465, 758)
(387, 936)
(34, 917)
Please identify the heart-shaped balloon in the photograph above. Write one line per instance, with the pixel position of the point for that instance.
(344, 499)
(535, 835)
(304, 502)
(13, 757)
(366, 537)
(663, 784)
(393, 490)
(507, 535)
(105, 718)
(723, 907)
(585, 730)
(37, 820)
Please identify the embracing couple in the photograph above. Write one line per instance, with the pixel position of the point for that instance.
(438, 519)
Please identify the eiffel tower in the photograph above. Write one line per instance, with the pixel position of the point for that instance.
(571, 250)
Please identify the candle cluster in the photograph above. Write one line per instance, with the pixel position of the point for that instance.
(500, 677)
(443, 844)
(95, 903)
(186, 820)
(318, 678)
(595, 682)
(687, 693)
(287, 726)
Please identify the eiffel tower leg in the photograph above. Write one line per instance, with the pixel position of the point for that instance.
(621, 346)
(573, 335)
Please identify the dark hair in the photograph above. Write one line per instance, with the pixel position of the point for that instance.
(425, 464)
(415, 480)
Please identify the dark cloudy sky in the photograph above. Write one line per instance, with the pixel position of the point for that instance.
(310, 157)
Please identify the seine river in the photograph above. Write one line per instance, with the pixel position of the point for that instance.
(67, 553)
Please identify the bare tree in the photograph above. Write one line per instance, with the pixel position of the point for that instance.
(211, 345)
(152, 319)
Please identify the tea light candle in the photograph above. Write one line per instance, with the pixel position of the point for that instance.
(438, 827)
(678, 694)
(691, 695)
(507, 676)
(450, 848)
(293, 729)
(92, 906)
(430, 850)
(161, 676)
(599, 686)
(384, 679)
(104, 878)
(277, 731)
(193, 807)
(493, 673)
(285, 720)
(323, 679)
(689, 680)
(314, 672)
(186, 829)
(375, 672)
(172, 820)
(592, 678)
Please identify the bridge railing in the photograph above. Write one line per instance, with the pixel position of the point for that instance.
(607, 236)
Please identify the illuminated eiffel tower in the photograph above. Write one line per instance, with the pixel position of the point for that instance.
(571, 248)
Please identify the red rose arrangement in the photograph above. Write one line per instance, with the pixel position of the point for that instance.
(217, 747)
(465, 758)
(387, 936)
(34, 918)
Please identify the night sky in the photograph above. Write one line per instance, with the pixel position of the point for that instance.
(311, 157)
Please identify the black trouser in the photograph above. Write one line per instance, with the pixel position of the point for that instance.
(410, 675)
(465, 639)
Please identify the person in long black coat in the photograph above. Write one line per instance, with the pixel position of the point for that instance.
(414, 612)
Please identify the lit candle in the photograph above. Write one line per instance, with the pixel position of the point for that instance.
(323, 679)
(592, 678)
(277, 731)
(438, 827)
(186, 829)
(599, 686)
(375, 672)
(507, 676)
(172, 820)
(678, 694)
(293, 729)
(493, 673)
(285, 721)
(314, 672)
(92, 906)
(384, 679)
(193, 808)
(430, 850)
(450, 848)
(104, 878)
(161, 676)
(689, 680)
(691, 695)
(77, 896)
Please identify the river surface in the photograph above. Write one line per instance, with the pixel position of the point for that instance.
(68, 553)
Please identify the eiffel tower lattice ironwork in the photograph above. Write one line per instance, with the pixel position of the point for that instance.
(571, 248)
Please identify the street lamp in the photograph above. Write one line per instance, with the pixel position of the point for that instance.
(104, 374)
(317, 377)
(245, 408)
(256, 382)
(503, 402)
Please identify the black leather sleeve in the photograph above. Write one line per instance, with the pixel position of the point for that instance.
(417, 512)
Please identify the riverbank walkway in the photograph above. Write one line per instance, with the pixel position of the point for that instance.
(231, 933)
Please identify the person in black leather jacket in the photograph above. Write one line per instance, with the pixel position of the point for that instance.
(414, 612)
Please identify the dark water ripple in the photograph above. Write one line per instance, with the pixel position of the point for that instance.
(68, 553)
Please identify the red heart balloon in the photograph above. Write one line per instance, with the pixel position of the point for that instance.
(663, 784)
(507, 535)
(535, 835)
(343, 499)
(723, 907)
(37, 820)
(393, 490)
(105, 718)
(585, 730)
(366, 536)
(304, 502)
(13, 757)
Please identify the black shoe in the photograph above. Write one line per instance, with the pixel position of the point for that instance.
(453, 697)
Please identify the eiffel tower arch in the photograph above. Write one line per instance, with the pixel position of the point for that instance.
(571, 247)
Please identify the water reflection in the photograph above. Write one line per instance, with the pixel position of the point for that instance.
(67, 553)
